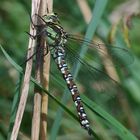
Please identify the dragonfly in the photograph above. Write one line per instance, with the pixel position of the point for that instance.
(57, 40)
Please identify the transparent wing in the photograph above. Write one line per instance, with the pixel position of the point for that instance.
(108, 54)
(90, 71)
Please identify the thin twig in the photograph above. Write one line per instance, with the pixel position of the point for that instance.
(25, 86)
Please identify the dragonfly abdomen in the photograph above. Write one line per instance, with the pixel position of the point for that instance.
(59, 56)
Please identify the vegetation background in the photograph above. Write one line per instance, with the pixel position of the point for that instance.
(120, 22)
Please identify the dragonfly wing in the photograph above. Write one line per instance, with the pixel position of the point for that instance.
(89, 71)
(109, 55)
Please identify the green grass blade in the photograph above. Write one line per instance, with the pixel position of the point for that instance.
(15, 105)
(10, 60)
(118, 127)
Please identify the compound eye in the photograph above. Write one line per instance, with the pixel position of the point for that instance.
(56, 14)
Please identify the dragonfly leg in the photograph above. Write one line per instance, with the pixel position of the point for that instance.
(32, 36)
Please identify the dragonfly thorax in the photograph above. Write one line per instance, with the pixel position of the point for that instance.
(55, 35)
(54, 32)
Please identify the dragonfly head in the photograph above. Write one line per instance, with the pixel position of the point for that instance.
(53, 18)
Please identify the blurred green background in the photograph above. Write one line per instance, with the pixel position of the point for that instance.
(121, 17)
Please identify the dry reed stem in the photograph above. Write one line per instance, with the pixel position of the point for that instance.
(37, 92)
(36, 116)
(42, 76)
(85, 10)
(45, 82)
(26, 81)
(44, 106)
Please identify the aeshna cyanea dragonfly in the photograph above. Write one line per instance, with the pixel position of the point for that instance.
(58, 42)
